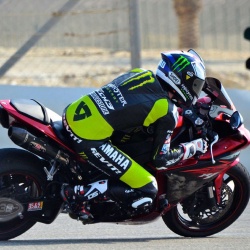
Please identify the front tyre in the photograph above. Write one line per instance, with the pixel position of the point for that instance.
(21, 178)
(234, 199)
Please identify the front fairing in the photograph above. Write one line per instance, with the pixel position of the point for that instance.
(221, 110)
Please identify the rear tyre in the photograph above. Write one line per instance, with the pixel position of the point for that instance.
(235, 196)
(21, 177)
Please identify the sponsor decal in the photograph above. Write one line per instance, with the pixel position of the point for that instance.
(92, 195)
(83, 155)
(206, 173)
(164, 149)
(189, 75)
(173, 161)
(82, 112)
(71, 134)
(112, 156)
(127, 191)
(38, 147)
(116, 94)
(208, 176)
(186, 92)
(105, 100)
(125, 138)
(35, 206)
(166, 145)
(96, 188)
(199, 121)
(141, 79)
(170, 162)
(105, 161)
(174, 78)
(99, 103)
(116, 156)
(181, 63)
(162, 64)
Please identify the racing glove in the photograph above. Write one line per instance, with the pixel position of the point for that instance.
(193, 147)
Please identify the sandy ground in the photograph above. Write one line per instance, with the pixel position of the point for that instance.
(93, 67)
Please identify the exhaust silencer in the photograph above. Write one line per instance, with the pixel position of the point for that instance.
(26, 140)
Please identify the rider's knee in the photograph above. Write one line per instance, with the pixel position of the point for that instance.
(150, 189)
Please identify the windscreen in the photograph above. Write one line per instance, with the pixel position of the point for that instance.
(217, 92)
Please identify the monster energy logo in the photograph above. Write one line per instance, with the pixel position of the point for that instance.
(181, 63)
(142, 79)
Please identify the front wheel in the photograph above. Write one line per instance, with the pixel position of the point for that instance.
(192, 218)
(21, 179)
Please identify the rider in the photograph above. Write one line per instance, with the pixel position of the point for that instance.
(138, 98)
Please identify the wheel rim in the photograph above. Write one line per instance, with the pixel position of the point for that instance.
(207, 220)
(15, 189)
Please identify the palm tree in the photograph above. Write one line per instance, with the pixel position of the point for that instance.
(188, 22)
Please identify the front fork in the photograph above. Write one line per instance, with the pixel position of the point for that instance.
(219, 181)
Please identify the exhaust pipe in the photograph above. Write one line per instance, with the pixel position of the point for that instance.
(26, 140)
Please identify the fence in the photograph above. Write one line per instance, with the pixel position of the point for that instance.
(76, 42)
(222, 23)
(64, 41)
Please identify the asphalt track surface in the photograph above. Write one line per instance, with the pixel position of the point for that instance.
(65, 233)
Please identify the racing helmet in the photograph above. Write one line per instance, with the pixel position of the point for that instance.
(183, 74)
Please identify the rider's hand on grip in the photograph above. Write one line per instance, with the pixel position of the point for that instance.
(201, 145)
(198, 146)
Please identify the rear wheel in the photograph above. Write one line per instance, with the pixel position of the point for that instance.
(192, 218)
(21, 179)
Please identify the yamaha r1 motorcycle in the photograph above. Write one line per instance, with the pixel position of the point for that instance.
(205, 193)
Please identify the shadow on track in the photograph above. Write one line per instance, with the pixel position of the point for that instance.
(82, 241)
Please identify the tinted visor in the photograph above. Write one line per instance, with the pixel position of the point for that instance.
(197, 86)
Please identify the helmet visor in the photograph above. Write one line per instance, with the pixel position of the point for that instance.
(198, 86)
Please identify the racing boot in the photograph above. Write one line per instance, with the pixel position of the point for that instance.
(77, 197)
(74, 196)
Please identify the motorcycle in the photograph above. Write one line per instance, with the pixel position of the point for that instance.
(205, 193)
